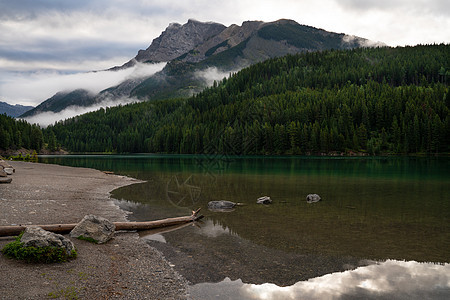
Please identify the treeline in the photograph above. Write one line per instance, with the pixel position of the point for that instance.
(377, 100)
(16, 134)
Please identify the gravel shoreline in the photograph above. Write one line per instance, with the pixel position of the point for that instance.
(123, 268)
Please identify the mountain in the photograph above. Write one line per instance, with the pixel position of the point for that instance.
(179, 39)
(195, 41)
(193, 49)
(62, 100)
(13, 110)
(257, 41)
(232, 49)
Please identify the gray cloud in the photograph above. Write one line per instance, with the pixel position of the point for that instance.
(373, 4)
(35, 87)
(212, 74)
(436, 7)
(89, 35)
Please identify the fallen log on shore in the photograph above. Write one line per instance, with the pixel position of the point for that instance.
(66, 228)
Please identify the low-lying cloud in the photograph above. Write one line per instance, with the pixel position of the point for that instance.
(48, 118)
(34, 88)
(364, 43)
(212, 74)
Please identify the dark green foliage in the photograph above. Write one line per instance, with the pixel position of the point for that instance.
(32, 158)
(375, 100)
(301, 36)
(16, 134)
(16, 250)
(88, 239)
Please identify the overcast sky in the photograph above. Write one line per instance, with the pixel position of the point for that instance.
(44, 39)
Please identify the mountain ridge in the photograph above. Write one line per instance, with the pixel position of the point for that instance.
(197, 46)
(13, 110)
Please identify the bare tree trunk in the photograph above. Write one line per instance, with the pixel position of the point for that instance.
(65, 228)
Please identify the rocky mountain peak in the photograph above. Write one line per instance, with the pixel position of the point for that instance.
(228, 38)
(178, 39)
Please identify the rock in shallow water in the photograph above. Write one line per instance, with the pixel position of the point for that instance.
(8, 171)
(221, 204)
(264, 200)
(311, 198)
(5, 180)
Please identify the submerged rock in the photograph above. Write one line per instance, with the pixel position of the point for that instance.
(5, 180)
(8, 171)
(38, 237)
(94, 228)
(312, 198)
(221, 204)
(264, 200)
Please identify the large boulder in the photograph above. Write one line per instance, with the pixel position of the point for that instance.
(264, 200)
(94, 228)
(222, 204)
(38, 237)
(3, 172)
(312, 198)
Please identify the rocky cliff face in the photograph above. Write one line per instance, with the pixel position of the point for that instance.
(196, 41)
(178, 39)
(228, 38)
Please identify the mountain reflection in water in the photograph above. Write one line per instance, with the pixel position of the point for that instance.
(391, 279)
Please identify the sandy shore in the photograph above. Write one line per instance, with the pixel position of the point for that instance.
(123, 268)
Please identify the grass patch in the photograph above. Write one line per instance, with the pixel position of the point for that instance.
(32, 158)
(89, 239)
(66, 293)
(16, 250)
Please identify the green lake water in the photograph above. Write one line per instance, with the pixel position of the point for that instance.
(372, 209)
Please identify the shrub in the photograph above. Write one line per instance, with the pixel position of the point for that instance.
(16, 250)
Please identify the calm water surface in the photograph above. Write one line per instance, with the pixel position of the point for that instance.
(373, 209)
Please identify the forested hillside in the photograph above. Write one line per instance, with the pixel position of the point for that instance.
(19, 134)
(379, 100)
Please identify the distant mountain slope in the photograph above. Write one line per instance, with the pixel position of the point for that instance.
(13, 110)
(196, 46)
(61, 101)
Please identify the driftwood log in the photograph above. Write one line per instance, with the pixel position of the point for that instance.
(65, 228)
